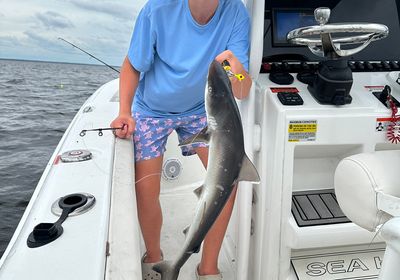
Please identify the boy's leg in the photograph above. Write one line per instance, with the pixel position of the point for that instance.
(213, 241)
(148, 176)
(150, 138)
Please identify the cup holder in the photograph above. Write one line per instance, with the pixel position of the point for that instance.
(68, 200)
(45, 233)
(72, 201)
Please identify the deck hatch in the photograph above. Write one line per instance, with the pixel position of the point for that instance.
(317, 207)
(76, 156)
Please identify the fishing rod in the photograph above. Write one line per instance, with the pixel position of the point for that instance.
(89, 54)
(100, 130)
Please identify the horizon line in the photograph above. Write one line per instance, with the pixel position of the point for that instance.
(53, 61)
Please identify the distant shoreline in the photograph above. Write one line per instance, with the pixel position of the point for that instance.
(61, 62)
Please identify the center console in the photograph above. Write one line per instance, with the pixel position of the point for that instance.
(313, 112)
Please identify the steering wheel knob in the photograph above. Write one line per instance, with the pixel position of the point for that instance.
(322, 15)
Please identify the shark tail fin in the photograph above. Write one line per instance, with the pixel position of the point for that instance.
(202, 136)
(248, 172)
(167, 270)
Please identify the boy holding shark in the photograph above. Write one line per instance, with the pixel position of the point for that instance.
(161, 89)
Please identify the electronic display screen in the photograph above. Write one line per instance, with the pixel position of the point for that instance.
(284, 21)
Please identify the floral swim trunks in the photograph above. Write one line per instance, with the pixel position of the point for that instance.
(151, 134)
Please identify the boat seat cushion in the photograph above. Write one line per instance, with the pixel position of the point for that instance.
(357, 181)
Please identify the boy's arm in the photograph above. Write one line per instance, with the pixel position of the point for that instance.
(128, 82)
(241, 88)
(237, 53)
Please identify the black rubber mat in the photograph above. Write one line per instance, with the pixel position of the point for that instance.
(318, 207)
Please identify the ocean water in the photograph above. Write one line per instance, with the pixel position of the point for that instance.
(38, 100)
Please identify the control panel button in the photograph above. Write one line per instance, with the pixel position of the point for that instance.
(304, 66)
(359, 65)
(385, 65)
(352, 65)
(394, 65)
(368, 65)
(290, 98)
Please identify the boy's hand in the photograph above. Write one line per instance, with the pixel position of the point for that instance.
(127, 123)
(236, 66)
(241, 87)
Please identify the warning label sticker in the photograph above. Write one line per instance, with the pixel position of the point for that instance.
(382, 124)
(302, 131)
(374, 88)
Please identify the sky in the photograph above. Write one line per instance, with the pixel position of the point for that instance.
(29, 29)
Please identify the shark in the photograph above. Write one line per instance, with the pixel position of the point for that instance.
(227, 165)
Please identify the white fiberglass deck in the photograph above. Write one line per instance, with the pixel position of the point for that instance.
(179, 206)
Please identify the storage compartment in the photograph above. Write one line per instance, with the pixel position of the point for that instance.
(313, 182)
(314, 165)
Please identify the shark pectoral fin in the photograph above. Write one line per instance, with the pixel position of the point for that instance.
(198, 191)
(166, 269)
(248, 172)
(202, 136)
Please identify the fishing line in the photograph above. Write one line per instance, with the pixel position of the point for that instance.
(379, 230)
(83, 133)
(105, 172)
(152, 174)
(195, 136)
(89, 54)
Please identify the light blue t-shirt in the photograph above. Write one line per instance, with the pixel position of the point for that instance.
(172, 52)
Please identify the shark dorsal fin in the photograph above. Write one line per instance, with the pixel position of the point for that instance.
(248, 172)
(202, 136)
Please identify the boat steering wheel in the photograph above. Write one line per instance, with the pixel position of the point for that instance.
(326, 46)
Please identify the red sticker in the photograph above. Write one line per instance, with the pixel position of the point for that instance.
(374, 88)
(284, 89)
(56, 160)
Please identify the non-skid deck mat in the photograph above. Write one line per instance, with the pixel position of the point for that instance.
(360, 262)
(317, 207)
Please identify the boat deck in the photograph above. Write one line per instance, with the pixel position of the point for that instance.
(179, 206)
